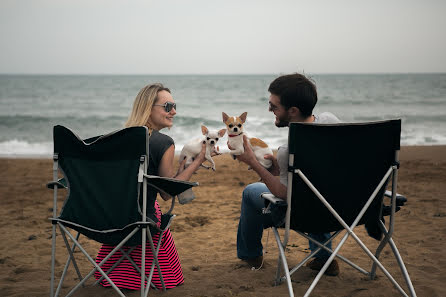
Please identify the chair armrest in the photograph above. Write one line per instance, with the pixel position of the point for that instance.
(170, 186)
(61, 183)
(270, 197)
(400, 199)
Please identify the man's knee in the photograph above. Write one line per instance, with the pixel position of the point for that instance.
(251, 193)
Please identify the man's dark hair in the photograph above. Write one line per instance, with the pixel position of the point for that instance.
(295, 90)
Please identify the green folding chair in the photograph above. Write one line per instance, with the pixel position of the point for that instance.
(107, 182)
(337, 179)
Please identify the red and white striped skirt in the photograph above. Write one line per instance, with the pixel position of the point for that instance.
(127, 277)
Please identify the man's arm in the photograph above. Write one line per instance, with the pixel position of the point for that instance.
(272, 182)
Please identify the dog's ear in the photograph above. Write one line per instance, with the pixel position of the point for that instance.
(243, 116)
(225, 117)
(204, 130)
(221, 132)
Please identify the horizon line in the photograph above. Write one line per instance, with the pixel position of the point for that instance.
(217, 74)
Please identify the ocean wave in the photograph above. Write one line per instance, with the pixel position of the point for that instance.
(21, 148)
(190, 121)
(424, 118)
(422, 139)
(13, 119)
(39, 128)
(16, 147)
(405, 118)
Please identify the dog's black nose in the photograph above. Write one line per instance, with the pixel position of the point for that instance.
(235, 129)
(212, 142)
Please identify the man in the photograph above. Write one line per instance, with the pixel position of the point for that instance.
(292, 99)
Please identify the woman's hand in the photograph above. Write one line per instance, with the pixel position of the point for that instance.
(186, 173)
(215, 152)
(201, 157)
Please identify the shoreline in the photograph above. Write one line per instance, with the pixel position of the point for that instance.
(177, 153)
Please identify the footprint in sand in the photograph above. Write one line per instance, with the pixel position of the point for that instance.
(196, 221)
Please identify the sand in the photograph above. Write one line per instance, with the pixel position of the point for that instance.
(205, 235)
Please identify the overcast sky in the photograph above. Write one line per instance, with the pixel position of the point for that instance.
(228, 37)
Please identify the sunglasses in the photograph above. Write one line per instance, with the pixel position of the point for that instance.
(167, 106)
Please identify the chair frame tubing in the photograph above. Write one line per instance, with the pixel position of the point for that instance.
(97, 267)
(53, 231)
(392, 171)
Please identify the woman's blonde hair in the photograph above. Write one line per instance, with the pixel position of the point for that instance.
(142, 106)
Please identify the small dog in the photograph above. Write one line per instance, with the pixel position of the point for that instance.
(235, 140)
(193, 148)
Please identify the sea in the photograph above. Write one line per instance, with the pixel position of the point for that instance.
(90, 105)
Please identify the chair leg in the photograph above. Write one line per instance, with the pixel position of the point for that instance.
(323, 246)
(378, 251)
(53, 259)
(369, 253)
(143, 262)
(278, 280)
(403, 268)
(388, 239)
(124, 254)
(94, 264)
(327, 263)
(71, 253)
(97, 267)
(73, 247)
(130, 259)
(155, 261)
(284, 262)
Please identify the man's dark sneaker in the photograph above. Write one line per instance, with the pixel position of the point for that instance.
(254, 262)
(317, 264)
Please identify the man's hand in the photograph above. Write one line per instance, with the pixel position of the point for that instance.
(274, 169)
(248, 156)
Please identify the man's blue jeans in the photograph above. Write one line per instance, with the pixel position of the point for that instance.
(252, 221)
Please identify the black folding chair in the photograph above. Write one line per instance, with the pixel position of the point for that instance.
(106, 178)
(337, 179)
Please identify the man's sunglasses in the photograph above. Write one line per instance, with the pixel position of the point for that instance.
(167, 106)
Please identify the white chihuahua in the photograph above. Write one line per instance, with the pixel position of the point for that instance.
(235, 140)
(193, 148)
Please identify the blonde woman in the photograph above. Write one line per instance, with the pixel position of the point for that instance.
(154, 108)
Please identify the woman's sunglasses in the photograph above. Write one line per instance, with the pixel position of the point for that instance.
(167, 106)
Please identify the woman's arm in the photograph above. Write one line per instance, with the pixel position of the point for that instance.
(166, 167)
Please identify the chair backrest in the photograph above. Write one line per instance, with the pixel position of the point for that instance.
(345, 162)
(102, 177)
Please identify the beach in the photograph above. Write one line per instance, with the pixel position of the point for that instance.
(205, 236)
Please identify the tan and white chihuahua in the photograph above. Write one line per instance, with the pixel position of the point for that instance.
(193, 148)
(235, 140)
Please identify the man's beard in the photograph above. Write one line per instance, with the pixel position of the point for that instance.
(281, 123)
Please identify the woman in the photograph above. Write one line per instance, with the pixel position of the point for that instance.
(154, 108)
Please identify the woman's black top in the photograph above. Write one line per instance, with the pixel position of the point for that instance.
(158, 144)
